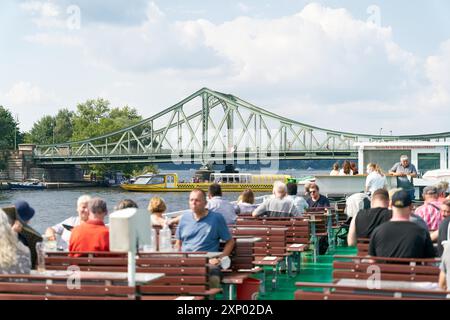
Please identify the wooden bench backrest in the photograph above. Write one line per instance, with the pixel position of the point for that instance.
(298, 229)
(273, 239)
(362, 245)
(31, 287)
(390, 269)
(185, 273)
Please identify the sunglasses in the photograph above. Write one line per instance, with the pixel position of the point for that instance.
(312, 191)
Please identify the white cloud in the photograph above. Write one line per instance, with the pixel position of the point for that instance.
(29, 101)
(41, 8)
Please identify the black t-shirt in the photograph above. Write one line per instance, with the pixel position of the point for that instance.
(401, 239)
(322, 202)
(368, 219)
(443, 230)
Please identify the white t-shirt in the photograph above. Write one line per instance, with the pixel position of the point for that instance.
(375, 181)
(63, 232)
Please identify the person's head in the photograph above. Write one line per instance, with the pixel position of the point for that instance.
(430, 193)
(445, 208)
(346, 167)
(279, 189)
(313, 191)
(97, 209)
(353, 165)
(247, 196)
(307, 185)
(214, 190)
(404, 160)
(197, 201)
(380, 199)
(82, 207)
(371, 167)
(442, 188)
(292, 189)
(391, 194)
(126, 203)
(336, 166)
(8, 241)
(157, 206)
(401, 205)
(24, 210)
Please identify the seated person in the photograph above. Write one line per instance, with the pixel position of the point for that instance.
(14, 256)
(367, 220)
(278, 206)
(219, 205)
(59, 229)
(355, 203)
(399, 237)
(27, 235)
(201, 229)
(316, 200)
(299, 202)
(444, 227)
(92, 235)
(157, 208)
(126, 203)
(246, 202)
(444, 276)
(430, 211)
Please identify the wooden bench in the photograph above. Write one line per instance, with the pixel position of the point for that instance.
(270, 252)
(186, 273)
(394, 269)
(40, 287)
(333, 291)
(297, 235)
(362, 244)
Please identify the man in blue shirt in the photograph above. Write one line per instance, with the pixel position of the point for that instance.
(202, 230)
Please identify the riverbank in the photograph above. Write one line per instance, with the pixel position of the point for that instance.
(62, 185)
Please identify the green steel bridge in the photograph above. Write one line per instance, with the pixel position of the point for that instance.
(209, 126)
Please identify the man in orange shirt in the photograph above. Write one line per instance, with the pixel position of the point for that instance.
(92, 235)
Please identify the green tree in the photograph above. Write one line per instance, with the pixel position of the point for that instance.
(9, 135)
(63, 126)
(42, 131)
(95, 117)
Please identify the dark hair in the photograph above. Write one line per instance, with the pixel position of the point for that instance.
(97, 205)
(126, 203)
(336, 166)
(248, 196)
(380, 194)
(291, 189)
(215, 190)
(346, 167)
(200, 191)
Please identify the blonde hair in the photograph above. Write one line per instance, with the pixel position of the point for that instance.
(9, 243)
(376, 168)
(157, 205)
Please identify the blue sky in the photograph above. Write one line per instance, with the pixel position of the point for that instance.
(351, 65)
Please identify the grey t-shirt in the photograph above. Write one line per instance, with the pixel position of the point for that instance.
(276, 207)
(403, 182)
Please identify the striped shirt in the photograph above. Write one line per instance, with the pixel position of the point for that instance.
(430, 212)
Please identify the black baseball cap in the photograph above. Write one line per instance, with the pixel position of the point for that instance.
(401, 199)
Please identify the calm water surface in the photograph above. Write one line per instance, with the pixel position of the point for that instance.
(53, 206)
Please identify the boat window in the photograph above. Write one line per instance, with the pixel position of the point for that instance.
(142, 180)
(156, 180)
(428, 161)
(170, 179)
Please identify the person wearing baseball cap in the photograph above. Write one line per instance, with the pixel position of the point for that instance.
(27, 235)
(399, 237)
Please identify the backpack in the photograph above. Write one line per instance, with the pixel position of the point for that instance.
(323, 245)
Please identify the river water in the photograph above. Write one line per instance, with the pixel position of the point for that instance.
(53, 206)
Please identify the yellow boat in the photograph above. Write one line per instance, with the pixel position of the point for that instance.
(230, 182)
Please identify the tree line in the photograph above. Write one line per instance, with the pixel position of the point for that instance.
(90, 119)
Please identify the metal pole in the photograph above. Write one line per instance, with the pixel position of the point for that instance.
(131, 268)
